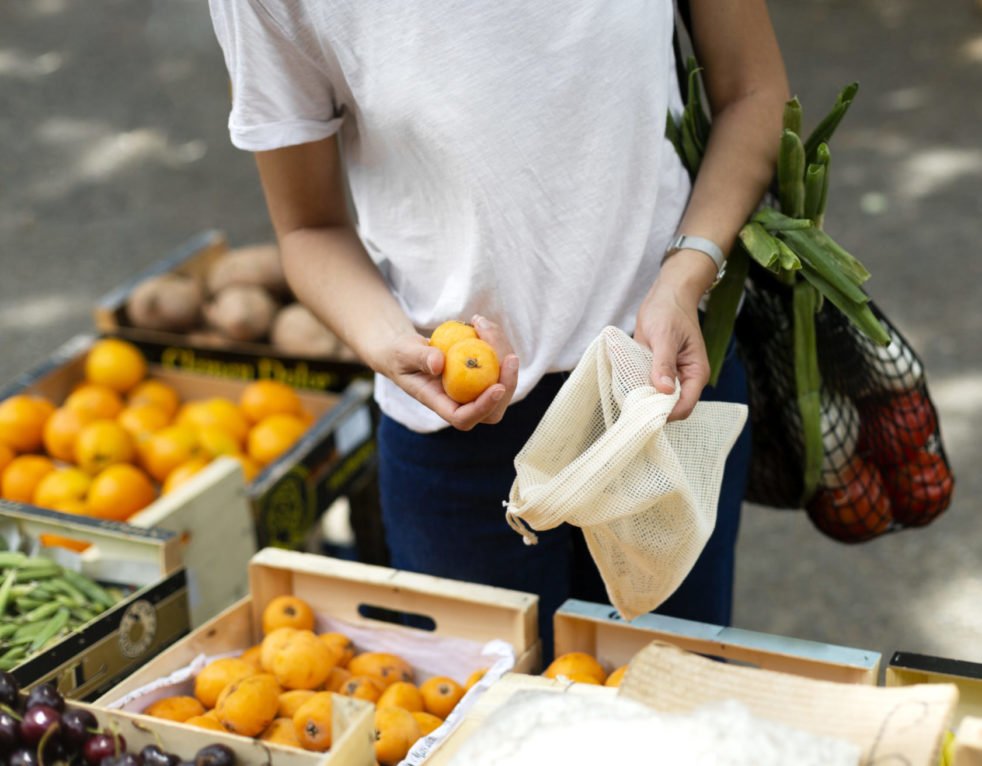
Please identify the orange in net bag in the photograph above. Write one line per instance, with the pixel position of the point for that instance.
(605, 458)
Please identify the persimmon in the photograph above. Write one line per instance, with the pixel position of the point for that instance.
(440, 695)
(451, 332)
(249, 706)
(427, 722)
(577, 666)
(387, 667)
(616, 677)
(312, 722)
(292, 699)
(402, 694)
(287, 611)
(281, 732)
(471, 366)
(218, 674)
(177, 708)
(396, 731)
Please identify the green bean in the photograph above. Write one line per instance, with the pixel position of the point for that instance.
(69, 591)
(94, 592)
(11, 559)
(8, 583)
(8, 629)
(42, 612)
(29, 574)
(51, 628)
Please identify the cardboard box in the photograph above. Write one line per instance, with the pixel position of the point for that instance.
(374, 605)
(597, 629)
(218, 517)
(153, 615)
(237, 360)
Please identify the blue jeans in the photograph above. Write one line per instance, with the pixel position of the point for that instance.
(442, 493)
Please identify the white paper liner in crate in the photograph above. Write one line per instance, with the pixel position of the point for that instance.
(429, 655)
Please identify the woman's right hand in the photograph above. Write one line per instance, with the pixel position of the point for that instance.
(416, 367)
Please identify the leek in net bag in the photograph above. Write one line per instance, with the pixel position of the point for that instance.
(605, 458)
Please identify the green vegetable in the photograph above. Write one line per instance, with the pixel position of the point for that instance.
(808, 384)
(791, 175)
(823, 132)
(721, 311)
(51, 628)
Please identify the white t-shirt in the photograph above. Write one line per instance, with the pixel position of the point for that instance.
(506, 158)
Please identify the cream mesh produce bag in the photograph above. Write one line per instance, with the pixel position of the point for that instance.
(605, 459)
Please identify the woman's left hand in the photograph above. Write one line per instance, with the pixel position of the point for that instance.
(668, 324)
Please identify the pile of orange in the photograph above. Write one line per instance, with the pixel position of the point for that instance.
(583, 668)
(281, 689)
(120, 438)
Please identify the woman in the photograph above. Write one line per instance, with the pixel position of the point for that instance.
(506, 162)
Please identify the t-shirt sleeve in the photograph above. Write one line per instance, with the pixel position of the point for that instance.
(282, 92)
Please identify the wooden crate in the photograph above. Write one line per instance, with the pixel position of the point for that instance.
(597, 629)
(237, 360)
(217, 516)
(362, 596)
(150, 618)
(353, 737)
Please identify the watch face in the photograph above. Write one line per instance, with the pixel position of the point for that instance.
(137, 628)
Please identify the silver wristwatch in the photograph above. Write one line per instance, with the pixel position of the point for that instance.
(703, 245)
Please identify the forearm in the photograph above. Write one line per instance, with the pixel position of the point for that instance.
(331, 273)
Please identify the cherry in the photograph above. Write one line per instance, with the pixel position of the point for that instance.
(26, 756)
(102, 745)
(215, 755)
(77, 726)
(9, 733)
(9, 689)
(154, 756)
(45, 694)
(123, 759)
(37, 720)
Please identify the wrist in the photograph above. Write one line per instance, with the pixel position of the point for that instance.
(689, 272)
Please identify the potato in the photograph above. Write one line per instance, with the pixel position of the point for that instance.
(257, 265)
(297, 331)
(241, 312)
(170, 302)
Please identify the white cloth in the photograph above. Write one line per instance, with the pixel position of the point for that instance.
(507, 159)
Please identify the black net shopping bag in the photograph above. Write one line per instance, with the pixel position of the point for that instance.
(883, 462)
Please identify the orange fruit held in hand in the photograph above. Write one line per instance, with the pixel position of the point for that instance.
(287, 611)
(263, 398)
(451, 332)
(22, 475)
(440, 695)
(96, 401)
(471, 367)
(115, 363)
(101, 444)
(22, 419)
(119, 491)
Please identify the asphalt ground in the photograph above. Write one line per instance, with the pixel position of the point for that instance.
(114, 150)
